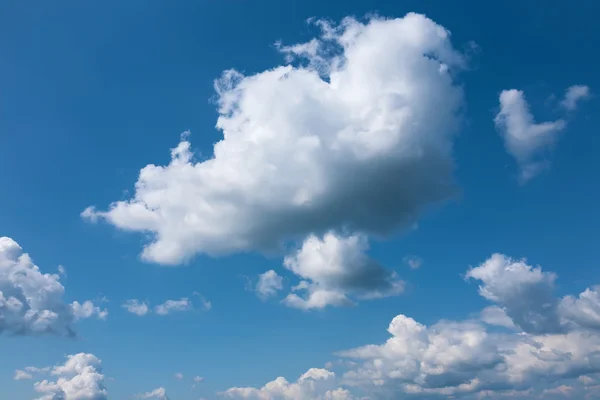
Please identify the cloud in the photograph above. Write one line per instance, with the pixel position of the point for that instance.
(197, 380)
(80, 378)
(157, 394)
(140, 308)
(526, 293)
(87, 309)
(336, 267)
(562, 390)
(31, 302)
(524, 139)
(573, 95)
(363, 142)
(551, 347)
(413, 262)
(178, 376)
(583, 310)
(269, 283)
(170, 306)
(207, 305)
(454, 358)
(22, 375)
(496, 316)
(136, 307)
(62, 270)
(316, 383)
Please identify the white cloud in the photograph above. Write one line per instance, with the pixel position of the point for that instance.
(136, 307)
(62, 270)
(87, 309)
(454, 358)
(38, 370)
(413, 262)
(335, 268)
(170, 306)
(207, 305)
(496, 316)
(157, 394)
(269, 283)
(140, 308)
(22, 375)
(197, 380)
(525, 140)
(552, 347)
(316, 384)
(584, 310)
(526, 293)
(573, 95)
(80, 378)
(31, 303)
(365, 146)
(178, 376)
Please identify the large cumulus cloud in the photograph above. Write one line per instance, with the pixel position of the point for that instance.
(359, 137)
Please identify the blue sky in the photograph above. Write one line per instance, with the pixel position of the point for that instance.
(90, 94)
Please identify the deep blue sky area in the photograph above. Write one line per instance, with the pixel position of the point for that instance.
(91, 92)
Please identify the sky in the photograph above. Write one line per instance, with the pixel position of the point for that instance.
(288, 200)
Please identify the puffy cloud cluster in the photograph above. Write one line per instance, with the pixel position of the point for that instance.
(316, 383)
(525, 140)
(358, 138)
(80, 378)
(31, 302)
(336, 267)
(528, 344)
(548, 339)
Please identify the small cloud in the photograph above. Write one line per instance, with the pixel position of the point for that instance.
(524, 138)
(22, 375)
(269, 283)
(562, 390)
(169, 306)
(90, 214)
(207, 305)
(413, 262)
(87, 309)
(573, 95)
(197, 381)
(178, 376)
(136, 307)
(62, 271)
(158, 394)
